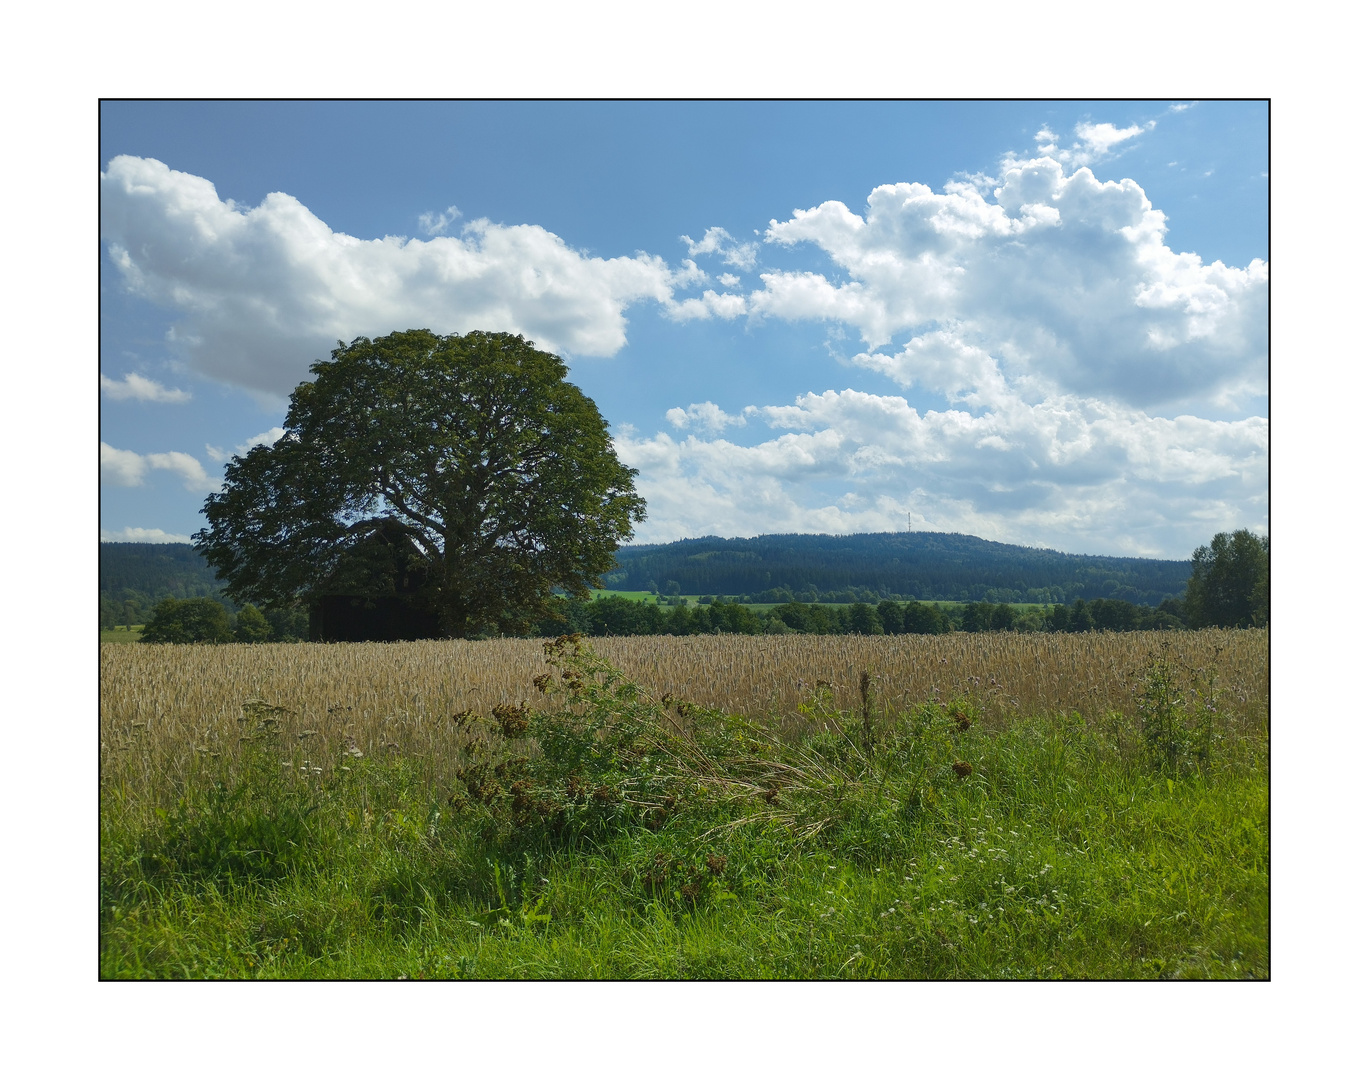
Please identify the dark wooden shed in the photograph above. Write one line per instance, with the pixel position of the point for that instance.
(377, 593)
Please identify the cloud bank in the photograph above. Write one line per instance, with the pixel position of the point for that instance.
(133, 535)
(1103, 392)
(264, 291)
(1091, 388)
(1077, 474)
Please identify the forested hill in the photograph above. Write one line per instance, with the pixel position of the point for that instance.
(765, 569)
(133, 577)
(912, 565)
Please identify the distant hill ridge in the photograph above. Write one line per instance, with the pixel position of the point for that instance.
(133, 577)
(912, 565)
(162, 569)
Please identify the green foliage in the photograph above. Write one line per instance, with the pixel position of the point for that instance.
(134, 577)
(865, 620)
(1178, 708)
(249, 827)
(597, 765)
(1080, 618)
(925, 619)
(498, 472)
(183, 622)
(289, 623)
(251, 625)
(1230, 582)
(619, 616)
(986, 617)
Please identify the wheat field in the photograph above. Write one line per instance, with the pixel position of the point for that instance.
(165, 709)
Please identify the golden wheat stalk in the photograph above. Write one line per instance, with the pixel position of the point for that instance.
(166, 709)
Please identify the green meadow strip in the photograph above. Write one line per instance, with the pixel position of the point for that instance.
(614, 835)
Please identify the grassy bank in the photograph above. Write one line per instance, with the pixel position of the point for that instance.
(607, 833)
(122, 635)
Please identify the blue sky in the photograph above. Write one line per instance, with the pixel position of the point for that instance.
(1039, 322)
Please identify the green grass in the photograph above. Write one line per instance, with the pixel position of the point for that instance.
(132, 633)
(632, 851)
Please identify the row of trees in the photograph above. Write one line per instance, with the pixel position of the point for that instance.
(617, 616)
(204, 619)
(1230, 587)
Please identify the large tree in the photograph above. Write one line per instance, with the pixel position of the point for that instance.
(1230, 582)
(499, 473)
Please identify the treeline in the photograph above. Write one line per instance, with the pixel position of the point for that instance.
(779, 569)
(616, 616)
(899, 566)
(203, 619)
(1228, 586)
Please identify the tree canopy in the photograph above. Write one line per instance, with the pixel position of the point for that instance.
(1230, 582)
(183, 622)
(498, 474)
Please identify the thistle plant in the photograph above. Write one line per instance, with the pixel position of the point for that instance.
(1177, 706)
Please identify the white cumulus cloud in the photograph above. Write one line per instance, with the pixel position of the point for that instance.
(1070, 473)
(134, 387)
(264, 291)
(718, 241)
(1092, 143)
(707, 306)
(127, 468)
(706, 416)
(266, 438)
(1062, 279)
(436, 224)
(133, 535)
